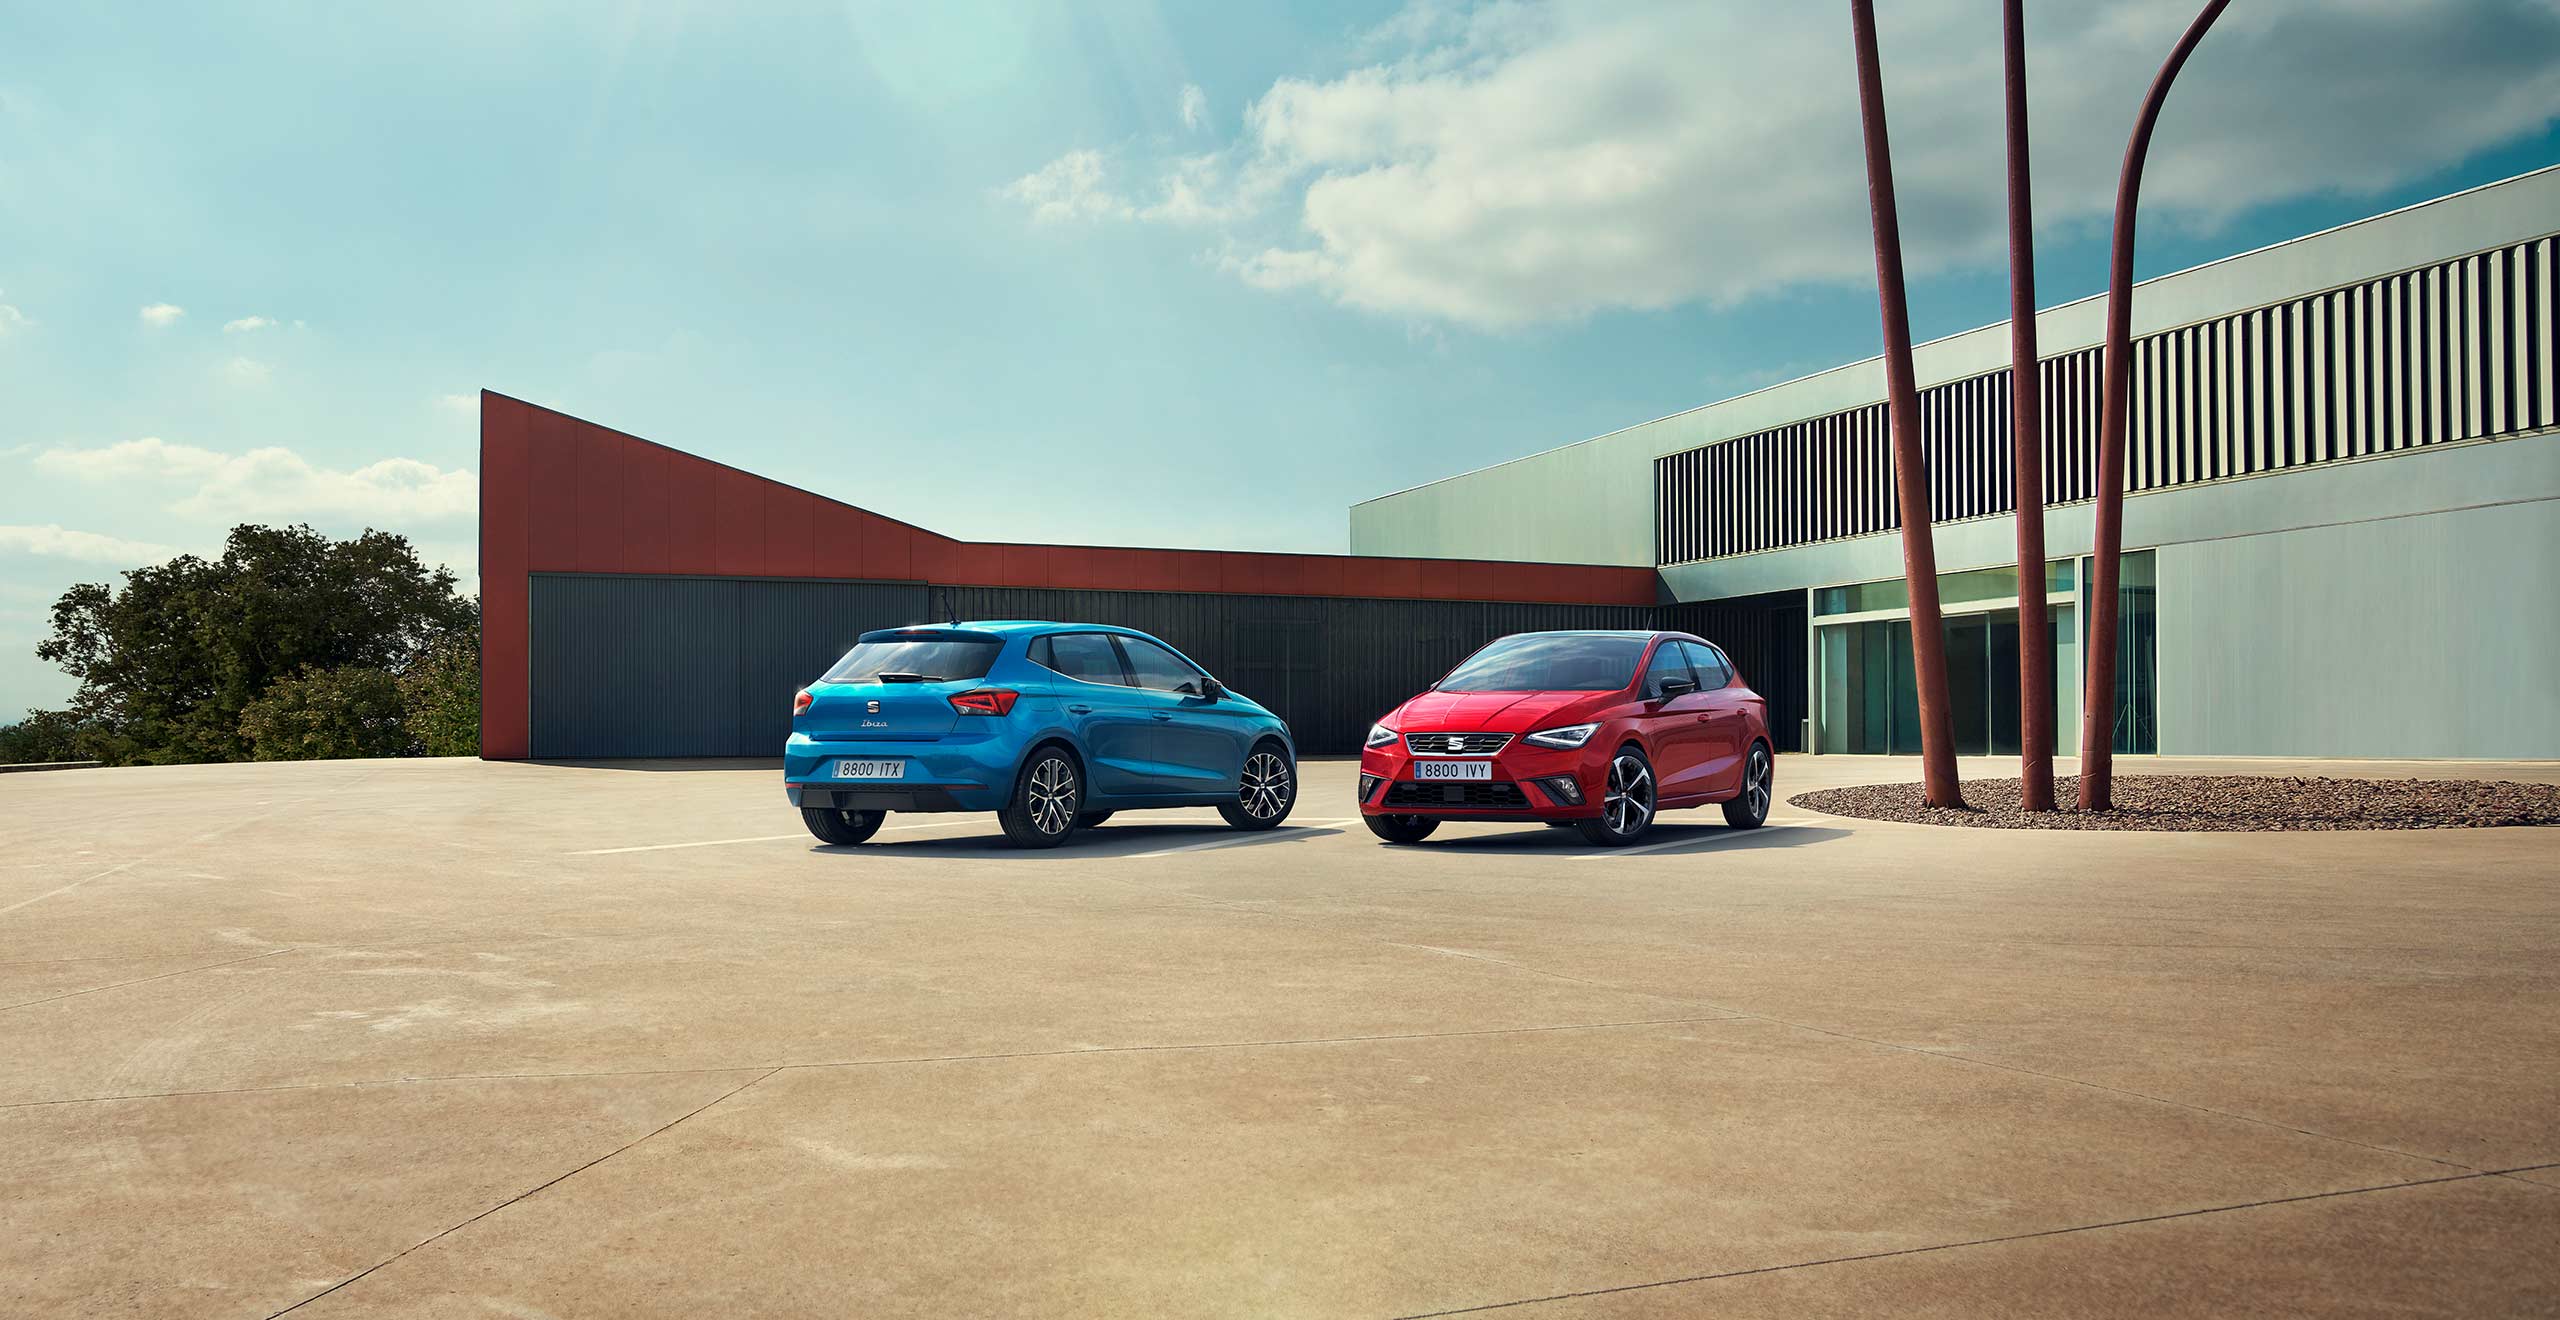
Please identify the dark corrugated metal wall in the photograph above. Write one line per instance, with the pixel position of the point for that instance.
(627, 666)
(669, 666)
(1765, 637)
(1328, 666)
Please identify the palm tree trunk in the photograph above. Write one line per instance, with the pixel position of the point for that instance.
(2035, 634)
(2098, 697)
(1902, 401)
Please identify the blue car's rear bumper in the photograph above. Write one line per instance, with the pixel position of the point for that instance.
(947, 774)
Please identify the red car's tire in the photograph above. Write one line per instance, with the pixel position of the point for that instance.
(1759, 783)
(1401, 829)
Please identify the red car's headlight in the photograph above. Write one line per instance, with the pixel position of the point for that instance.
(1564, 737)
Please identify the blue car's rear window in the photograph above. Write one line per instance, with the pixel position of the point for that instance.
(1549, 662)
(916, 659)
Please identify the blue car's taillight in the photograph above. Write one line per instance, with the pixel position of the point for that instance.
(985, 701)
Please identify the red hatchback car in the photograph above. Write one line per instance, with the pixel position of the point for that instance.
(1598, 730)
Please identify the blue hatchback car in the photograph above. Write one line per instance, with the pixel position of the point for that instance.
(1051, 726)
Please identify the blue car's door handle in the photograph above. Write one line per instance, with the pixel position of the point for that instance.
(1162, 716)
(1079, 710)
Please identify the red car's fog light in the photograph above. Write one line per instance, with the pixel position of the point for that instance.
(985, 701)
(1562, 788)
(1369, 786)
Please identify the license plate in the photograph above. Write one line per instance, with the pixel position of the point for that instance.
(1453, 769)
(871, 769)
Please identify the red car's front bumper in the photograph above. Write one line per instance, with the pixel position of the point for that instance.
(1526, 783)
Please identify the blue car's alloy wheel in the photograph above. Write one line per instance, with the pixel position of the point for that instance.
(1264, 792)
(1043, 811)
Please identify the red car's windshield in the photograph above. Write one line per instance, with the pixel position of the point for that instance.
(1550, 662)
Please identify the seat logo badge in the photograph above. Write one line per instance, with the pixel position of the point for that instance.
(1457, 744)
(871, 708)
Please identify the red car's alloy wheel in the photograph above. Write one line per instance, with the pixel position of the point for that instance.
(1758, 786)
(1626, 804)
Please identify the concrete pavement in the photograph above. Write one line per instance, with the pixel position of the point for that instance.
(405, 1038)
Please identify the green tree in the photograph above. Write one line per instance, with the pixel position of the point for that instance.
(170, 664)
(324, 713)
(441, 693)
(44, 735)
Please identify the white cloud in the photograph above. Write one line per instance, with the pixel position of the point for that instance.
(463, 557)
(248, 371)
(11, 318)
(162, 315)
(1189, 190)
(57, 542)
(1068, 188)
(1195, 107)
(274, 483)
(1522, 161)
(246, 324)
(466, 404)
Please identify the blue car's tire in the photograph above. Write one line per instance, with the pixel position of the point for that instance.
(1265, 790)
(841, 827)
(1046, 795)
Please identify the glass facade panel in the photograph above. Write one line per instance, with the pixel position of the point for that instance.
(1869, 688)
(1954, 590)
(1861, 597)
(2137, 656)
(1904, 731)
(2001, 682)
(1969, 680)
(2066, 679)
(1857, 688)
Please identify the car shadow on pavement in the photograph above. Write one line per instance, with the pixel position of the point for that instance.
(1102, 841)
(688, 765)
(1660, 841)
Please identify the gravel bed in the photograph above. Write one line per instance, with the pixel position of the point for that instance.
(2217, 802)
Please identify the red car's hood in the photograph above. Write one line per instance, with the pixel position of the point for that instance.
(1491, 712)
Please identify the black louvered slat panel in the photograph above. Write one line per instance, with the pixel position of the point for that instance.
(2460, 350)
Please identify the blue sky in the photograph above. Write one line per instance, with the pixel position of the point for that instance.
(1175, 274)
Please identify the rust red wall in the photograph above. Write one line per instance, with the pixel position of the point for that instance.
(561, 495)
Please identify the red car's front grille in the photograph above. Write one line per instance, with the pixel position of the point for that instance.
(1495, 795)
(1455, 744)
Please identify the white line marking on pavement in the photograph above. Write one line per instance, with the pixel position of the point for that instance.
(1296, 827)
(1684, 841)
(117, 869)
(760, 838)
(703, 843)
(73, 885)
